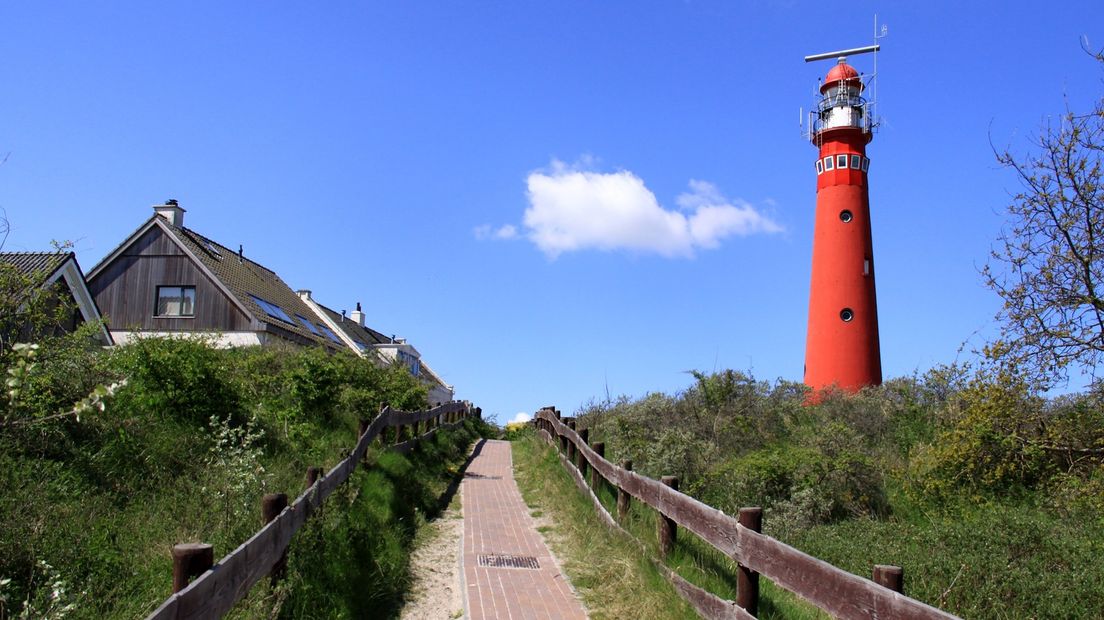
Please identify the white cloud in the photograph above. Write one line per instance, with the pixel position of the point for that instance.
(520, 417)
(486, 231)
(571, 208)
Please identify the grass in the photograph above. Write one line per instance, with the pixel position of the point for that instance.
(612, 576)
(692, 558)
(353, 561)
(997, 560)
(114, 546)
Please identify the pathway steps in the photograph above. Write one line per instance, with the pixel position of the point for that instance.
(497, 524)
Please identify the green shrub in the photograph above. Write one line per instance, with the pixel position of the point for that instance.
(991, 446)
(799, 486)
(182, 452)
(177, 378)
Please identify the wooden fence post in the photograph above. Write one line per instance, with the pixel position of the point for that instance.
(747, 580)
(595, 477)
(190, 560)
(623, 497)
(570, 444)
(892, 577)
(272, 504)
(668, 530)
(580, 457)
(313, 474)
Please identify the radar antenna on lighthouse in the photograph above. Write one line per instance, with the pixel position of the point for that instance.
(842, 347)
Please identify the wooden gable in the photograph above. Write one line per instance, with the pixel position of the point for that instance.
(126, 289)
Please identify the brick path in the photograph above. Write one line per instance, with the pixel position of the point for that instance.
(497, 522)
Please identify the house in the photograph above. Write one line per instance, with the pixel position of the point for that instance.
(60, 271)
(167, 279)
(404, 353)
(368, 342)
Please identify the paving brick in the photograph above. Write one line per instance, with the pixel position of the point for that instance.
(497, 521)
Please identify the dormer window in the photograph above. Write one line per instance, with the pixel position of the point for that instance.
(175, 301)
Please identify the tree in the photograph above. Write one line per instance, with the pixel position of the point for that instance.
(1048, 265)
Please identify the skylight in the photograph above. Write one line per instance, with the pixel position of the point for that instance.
(272, 309)
(329, 334)
(308, 324)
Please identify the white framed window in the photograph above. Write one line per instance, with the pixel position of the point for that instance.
(820, 167)
(841, 161)
(866, 164)
(175, 301)
(856, 161)
(829, 163)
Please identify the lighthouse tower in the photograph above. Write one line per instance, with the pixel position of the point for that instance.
(841, 346)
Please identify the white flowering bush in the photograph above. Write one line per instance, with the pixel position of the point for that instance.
(234, 465)
(50, 598)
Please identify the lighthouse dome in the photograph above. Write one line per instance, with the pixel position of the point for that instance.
(844, 72)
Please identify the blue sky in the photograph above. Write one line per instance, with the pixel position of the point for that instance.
(550, 200)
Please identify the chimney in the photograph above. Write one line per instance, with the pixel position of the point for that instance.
(357, 315)
(171, 211)
(303, 294)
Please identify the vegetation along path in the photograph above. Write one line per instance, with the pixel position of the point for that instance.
(508, 570)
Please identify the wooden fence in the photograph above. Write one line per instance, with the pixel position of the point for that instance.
(836, 591)
(220, 586)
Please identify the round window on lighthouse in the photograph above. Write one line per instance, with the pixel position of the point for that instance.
(846, 217)
(847, 314)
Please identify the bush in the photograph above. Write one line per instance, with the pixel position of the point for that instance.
(800, 486)
(991, 445)
(177, 378)
(183, 451)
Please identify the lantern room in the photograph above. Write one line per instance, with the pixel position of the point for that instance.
(841, 103)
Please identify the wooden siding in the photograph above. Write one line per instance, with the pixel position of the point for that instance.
(126, 290)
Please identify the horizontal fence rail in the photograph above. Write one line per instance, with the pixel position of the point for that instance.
(834, 590)
(221, 586)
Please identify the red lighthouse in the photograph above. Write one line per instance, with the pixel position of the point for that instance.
(841, 346)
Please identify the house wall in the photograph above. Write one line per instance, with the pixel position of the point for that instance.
(223, 340)
(439, 395)
(126, 290)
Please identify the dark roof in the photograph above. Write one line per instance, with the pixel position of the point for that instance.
(364, 335)
(38, 264)
(246, 278)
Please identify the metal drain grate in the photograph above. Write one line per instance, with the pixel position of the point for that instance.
(508, 561)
